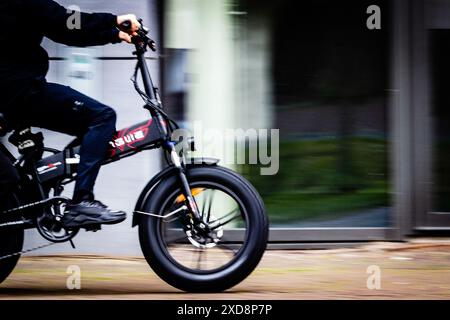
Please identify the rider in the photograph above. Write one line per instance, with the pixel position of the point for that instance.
(29, 100)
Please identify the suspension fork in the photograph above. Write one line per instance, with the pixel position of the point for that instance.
(186, 189)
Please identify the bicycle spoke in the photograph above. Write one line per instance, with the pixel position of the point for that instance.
(224, 216)
(226, 221)
(176, 238)
(199, 259)
(206, 208)
(227, 248)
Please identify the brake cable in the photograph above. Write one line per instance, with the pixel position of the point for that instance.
(148, 101)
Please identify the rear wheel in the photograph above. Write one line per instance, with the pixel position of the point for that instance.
(212, 259)
(11, 240)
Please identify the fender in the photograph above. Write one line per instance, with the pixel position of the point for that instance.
(165, 173)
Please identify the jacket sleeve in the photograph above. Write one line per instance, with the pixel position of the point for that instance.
(60, 25)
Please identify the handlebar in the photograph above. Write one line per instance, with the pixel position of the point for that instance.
(142, 39)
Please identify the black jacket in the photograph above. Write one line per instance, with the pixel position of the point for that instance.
(24, 23)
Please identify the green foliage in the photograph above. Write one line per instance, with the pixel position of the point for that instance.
(312, 183)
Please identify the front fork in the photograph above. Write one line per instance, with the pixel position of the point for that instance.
(169, 146)
(186, 189)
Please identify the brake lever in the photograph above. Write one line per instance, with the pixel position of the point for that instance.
(144, 30)
(151, 44)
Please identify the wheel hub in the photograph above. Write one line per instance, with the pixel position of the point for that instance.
(203, 237)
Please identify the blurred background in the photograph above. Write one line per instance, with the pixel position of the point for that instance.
(362, 113)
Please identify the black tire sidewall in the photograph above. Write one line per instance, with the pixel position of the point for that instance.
(250, 256)
(11, 241)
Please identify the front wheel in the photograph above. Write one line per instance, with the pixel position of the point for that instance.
(212, 259)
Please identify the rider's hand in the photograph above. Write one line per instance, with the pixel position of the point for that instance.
(124, 36)
(135, 25)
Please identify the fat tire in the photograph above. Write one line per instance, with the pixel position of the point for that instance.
(221, 280)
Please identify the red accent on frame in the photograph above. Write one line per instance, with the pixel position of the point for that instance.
(127, 131)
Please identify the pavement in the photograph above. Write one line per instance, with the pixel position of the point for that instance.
(122, 239)
(417, 269)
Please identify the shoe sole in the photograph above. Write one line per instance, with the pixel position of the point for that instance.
(82, 220)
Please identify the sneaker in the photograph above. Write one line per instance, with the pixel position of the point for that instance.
(90, 212)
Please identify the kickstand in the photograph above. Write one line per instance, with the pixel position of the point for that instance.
(72, 244)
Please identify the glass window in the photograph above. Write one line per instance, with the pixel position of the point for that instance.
(329, 79)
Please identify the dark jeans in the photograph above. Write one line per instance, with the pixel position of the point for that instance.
(62, 109)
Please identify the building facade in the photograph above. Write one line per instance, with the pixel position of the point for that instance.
(361, 110)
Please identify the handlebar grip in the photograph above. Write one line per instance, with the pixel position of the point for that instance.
(141, 34)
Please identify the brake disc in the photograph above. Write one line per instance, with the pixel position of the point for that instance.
(205, 241)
